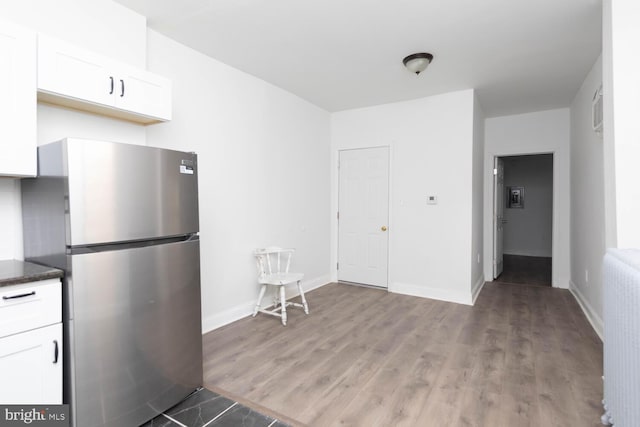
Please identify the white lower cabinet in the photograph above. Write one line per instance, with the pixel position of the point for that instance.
(31, 343)
(31, 367)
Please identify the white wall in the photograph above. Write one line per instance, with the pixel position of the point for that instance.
(532, 133)
(10, 219)
(622, 133)
(587, 201)
(430, 142)
(477, 239)
(90, 25)
(103, 26)
(528, 230)
(263, 158)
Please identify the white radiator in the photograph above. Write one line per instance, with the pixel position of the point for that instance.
(621, 310)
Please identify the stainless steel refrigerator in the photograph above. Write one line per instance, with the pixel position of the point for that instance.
(121, 221)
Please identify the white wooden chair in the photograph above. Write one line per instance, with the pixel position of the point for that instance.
(274, 270)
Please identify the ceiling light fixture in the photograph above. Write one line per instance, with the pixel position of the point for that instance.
(417, 62)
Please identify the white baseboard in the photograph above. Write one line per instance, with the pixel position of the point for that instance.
(225, 317)
(214, 321)
(477, 287)
(432, 293)
(592, 316)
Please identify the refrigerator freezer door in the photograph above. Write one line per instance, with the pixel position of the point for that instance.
(122, 192)
(136, 333)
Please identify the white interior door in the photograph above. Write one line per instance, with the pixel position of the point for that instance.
(498, 216)
(363, 242)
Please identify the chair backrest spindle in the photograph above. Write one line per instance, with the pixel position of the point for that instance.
(266, 264)
(288, 262)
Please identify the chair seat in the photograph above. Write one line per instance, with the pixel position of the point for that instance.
(280, 278)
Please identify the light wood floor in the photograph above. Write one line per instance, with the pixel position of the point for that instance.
(522, 356)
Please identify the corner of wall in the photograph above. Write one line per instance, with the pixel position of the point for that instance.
(477, 287)
(477, 184)
(596, 322)
(588, 196)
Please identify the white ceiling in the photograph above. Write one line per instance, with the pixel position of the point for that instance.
(520, 55)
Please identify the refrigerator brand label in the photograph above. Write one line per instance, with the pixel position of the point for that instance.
(186, 169)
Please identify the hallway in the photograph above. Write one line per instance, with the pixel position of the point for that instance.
(526, 270)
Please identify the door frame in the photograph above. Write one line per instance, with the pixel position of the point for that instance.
(494, 216)
(337, 209)
(555, 214)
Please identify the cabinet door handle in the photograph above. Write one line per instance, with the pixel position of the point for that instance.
(19, 296)
(55, 351)
(111, 91)
(122, 86)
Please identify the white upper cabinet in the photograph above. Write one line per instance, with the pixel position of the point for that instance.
(18, 101)
(81, 79)
(142, 91)
(65, 70)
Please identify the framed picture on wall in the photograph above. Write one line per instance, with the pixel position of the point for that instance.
(516, 197)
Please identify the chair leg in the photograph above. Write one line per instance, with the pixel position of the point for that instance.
(304, 301)
(283, 304)
(260, 296)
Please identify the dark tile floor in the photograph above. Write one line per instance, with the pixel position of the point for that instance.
(527, 270)
(205, 408)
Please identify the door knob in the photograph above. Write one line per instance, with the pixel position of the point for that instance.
(383, 228)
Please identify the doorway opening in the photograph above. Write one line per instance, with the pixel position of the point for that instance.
(523, 219)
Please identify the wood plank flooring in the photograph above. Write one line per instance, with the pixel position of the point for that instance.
(522, 356)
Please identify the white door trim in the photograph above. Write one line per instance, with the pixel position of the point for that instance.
(498, 164)
(555, 241)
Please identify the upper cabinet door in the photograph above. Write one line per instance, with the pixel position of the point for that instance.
(18, 101)
(143, 92)
(73, 72)
(81, 79)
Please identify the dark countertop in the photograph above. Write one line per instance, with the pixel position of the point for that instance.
(13, 272)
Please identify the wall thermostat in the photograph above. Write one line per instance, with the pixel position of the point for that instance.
(432, 200)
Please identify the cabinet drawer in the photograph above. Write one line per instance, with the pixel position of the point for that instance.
(28, 306)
